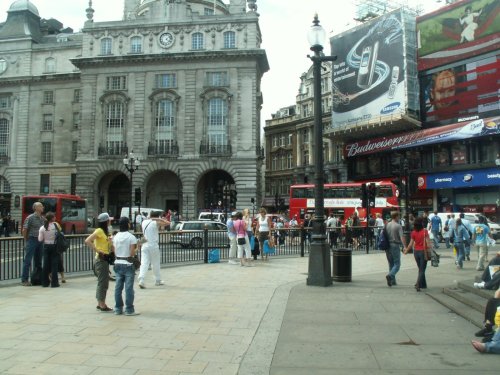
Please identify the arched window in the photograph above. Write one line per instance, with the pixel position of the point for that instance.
(229, 39)
(165, 127)
(197, 41)
(115, 122)
(50, 65)
(136, 44)
(217, 132)
(4, 137)
(106, 46)
(4, 185)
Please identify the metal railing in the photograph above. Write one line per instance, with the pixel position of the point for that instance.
(184, 247)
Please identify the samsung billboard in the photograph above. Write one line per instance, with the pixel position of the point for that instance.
(458, 31)
(370, 73)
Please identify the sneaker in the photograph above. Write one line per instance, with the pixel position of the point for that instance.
(468, 257)
(26, 283)
(488, 329)
(479, 285)
(141, 285)
(159, 283)
(131, 313)
(389, 280)
(118, 312)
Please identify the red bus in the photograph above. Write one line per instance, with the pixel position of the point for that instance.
(70, 210)
(343, 199)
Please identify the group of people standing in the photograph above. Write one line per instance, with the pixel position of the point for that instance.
(120, 249)
(39, 233)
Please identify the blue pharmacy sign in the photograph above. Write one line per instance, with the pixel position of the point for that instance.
(460, 179)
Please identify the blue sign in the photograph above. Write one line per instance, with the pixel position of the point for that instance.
(460, 179)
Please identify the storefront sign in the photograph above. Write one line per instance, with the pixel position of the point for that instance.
(459, 179)
(463, 130)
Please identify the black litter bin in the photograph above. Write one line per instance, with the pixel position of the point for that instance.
(342, 265)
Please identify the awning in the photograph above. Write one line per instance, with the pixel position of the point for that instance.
(453, 132)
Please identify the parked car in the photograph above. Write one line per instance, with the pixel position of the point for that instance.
(190, 234)
(212, 216)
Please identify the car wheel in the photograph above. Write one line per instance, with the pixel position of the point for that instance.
(196, 242)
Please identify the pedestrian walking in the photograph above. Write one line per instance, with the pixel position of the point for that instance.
(100, 241)
(379, 225)
(125, 245)
(421, 245)
(466, 223)
(396, 240)
(33, 247)
(435, 227)
(150, 249)
(480, 236)
(460, 237)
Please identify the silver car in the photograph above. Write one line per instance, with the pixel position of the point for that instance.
(191, 234)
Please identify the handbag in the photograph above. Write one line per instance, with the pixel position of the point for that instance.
(427, 248)
(435, 259)
(135, 261)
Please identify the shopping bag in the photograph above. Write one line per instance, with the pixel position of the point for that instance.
(213, 256)
(252, 243)
(491, 241)
(268, 249)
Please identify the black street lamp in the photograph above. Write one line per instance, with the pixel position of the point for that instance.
(131, 163)
(320, 270)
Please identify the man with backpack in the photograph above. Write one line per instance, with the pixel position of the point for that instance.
(468, 226)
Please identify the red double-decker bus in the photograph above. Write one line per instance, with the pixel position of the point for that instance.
(343, 199)
(70, 210)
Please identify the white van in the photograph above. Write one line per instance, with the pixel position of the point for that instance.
(145, 211)
(473, 219)
(212, 216)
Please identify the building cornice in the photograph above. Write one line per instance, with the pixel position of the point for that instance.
(9, 81)
(100, 61)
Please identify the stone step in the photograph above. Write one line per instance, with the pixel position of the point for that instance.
(469, 286)
(473, 300)
(465, 311)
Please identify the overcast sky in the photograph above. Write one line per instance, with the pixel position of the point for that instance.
(284, 25)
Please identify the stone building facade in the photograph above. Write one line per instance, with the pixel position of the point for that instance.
(175, 82)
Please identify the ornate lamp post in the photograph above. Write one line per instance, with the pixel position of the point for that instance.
(320, 270)
(131, 163)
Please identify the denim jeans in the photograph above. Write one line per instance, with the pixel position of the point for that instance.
(422, 265)
(33, 253)
(124, 277)
(435, 234)
(394, 259)
(460, 253)
(494, 345)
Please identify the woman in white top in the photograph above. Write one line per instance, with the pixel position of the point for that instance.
(125, 245)
(47, 235)
(264, 227)
(248, 221)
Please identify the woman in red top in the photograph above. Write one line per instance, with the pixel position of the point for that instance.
(420, 242)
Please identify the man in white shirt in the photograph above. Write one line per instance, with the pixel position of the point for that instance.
(331, 225)
(379, 225)
(150, 250)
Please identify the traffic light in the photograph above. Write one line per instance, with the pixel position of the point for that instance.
(233, 198)
(137, 196)
(372, 194)
(364, 196)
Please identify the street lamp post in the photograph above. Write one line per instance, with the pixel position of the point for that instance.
(320, 273)
(131, 163)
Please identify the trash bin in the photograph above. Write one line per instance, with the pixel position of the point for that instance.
(342, 265)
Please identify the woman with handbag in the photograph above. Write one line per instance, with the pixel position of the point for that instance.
(101, 243)
(240, 227)
(422, 248)
(47, 235)
(125, 245)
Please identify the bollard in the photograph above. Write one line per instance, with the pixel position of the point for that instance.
(342, 265)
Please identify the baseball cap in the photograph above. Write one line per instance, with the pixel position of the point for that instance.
(103, 217)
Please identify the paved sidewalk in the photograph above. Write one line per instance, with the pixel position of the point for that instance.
(225, 319)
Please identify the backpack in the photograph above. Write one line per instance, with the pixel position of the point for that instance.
(62, 244)
(383, 239)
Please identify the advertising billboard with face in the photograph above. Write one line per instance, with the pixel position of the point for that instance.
(463, 92)
(461, 30)
(370, 71)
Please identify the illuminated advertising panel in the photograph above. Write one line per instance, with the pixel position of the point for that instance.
(463, 92)
(370, 72)
(459, 31)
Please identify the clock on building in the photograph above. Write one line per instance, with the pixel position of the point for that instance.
(166, 39)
